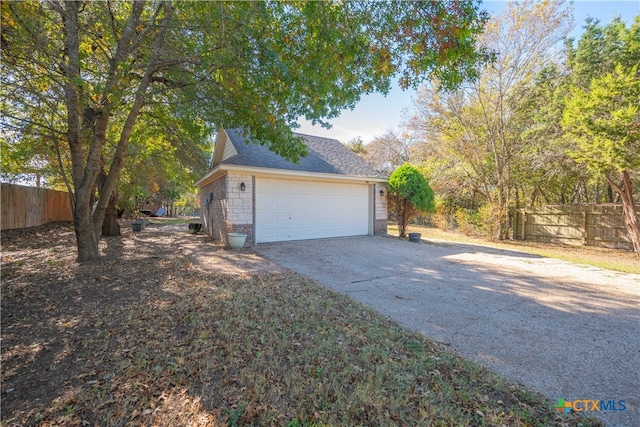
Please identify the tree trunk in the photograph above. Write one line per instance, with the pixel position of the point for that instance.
(401, 207)
(86, 166)
(402, 217)
(117, 162)
(502, 216)
(110, 226)
(625, 190)
(609, 193)
(85, 235)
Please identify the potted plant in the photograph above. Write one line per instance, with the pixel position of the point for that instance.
(236, 240)
(194, 228)
(137, 225)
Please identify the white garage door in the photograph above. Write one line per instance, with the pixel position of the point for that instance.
(297, 210)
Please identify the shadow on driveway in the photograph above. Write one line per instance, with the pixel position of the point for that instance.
(565, 330)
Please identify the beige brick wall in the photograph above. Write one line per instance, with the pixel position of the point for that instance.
(240, 202)
(230, 209)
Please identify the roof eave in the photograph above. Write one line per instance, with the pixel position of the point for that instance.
(208, 177)
(302, 174)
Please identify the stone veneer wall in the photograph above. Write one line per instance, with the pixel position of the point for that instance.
(240, 214)
(380, 210)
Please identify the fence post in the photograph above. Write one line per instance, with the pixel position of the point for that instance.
(585, 238)
(524, 219)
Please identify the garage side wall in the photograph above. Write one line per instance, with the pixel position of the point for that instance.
(213, 207)
(240, 217)
(380, 210)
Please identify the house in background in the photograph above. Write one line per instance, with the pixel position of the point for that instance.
(330, 193)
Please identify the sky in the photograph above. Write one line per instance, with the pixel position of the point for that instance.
(375, 113)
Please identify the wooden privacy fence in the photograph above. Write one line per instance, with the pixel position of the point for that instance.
(592, 225)
(29, 206)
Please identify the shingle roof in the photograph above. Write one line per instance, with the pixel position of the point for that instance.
(325, 156)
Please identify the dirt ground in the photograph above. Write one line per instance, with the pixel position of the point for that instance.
(51, 304)
(171, 329)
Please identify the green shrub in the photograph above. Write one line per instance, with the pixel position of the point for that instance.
(409, 194)
(489, 221)
(467, 221)
(441, 215)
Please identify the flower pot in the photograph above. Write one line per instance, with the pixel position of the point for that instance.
(236, 240)
(195, 228)
(415, 237)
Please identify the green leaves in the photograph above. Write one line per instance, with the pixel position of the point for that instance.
(473, 134)
(602, 113)
(408, 183)
(409, 193)
(601, 48)
(272, 63)
(259, 66)
(604, 121)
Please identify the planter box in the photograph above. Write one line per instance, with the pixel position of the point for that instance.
(236, 240)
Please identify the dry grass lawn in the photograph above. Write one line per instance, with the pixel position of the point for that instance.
(149, 337)
(612, 259)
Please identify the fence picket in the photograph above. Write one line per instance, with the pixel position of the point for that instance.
(591, 225)
(23, 207)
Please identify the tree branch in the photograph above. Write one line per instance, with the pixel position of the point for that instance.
(123, 142)
(614, 185)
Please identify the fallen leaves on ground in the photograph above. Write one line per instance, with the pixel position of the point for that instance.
(148, 336)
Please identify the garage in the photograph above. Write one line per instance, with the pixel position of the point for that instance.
(297, 210)
(251, 191)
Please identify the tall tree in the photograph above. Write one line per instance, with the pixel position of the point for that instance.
(473, 127)
(357, 146)
(604, 121)
(256, 65)
(545, 172)
(601, 48)
(390, 150)
(602, 115)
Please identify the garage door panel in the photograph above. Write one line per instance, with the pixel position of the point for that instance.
(294, 210)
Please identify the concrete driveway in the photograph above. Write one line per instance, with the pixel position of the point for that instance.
(565, 330)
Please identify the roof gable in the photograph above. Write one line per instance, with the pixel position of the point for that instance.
(223, 148)
(326, 155)
(229, 151)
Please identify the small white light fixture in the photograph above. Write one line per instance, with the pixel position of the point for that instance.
(242, 186)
